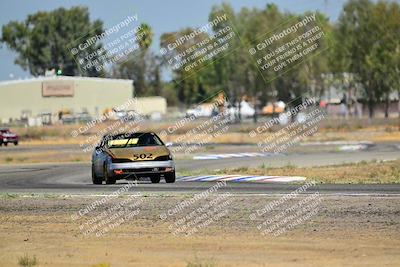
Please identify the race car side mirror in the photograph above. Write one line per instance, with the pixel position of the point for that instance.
(169, 144)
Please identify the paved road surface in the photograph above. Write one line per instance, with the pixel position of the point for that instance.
(74, 178)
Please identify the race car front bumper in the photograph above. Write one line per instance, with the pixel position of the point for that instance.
(142, 168)
(9, 140)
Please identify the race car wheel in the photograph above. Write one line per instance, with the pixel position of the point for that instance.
(170, 177)
(95, 178)
(109, 179)
(155, 179)
(16, 143)
(5, 144)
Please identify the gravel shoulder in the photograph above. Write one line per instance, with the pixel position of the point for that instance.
(345, 231)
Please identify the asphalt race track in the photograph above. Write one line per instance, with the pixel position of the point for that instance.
(75, 178)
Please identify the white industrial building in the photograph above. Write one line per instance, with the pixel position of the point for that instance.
(52, 96)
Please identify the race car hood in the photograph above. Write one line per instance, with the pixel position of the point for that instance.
(132, 153)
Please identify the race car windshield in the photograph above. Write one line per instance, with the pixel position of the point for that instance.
(134, 141)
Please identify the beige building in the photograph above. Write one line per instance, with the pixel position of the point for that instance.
(49, 95)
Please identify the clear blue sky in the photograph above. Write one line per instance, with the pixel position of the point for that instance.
(162, 16)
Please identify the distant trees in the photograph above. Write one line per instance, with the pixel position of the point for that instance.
(143, 66)
(368, 45)
(190, 85)
(236, 73)
(364, 44)
(41, 41)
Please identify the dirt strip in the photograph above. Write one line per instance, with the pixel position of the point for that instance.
(344, 231)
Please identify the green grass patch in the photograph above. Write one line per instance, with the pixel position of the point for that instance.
(197, 262)
(27, 261)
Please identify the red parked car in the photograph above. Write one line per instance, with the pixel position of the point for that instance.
(6, 136)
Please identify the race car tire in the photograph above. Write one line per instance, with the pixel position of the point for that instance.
(170, 177)
(95, 178)
(155, 179)
(5, 144)
(15, 143)
(109, 179)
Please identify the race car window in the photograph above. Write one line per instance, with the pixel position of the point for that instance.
(122, 142)
(145, 139)
(149, 140)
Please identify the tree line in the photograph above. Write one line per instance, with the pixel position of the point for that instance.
(363, 53)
